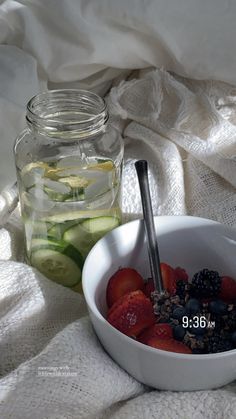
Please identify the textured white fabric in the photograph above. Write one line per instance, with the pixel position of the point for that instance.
(75, 39)
(88, 43)
(186, 130)
(51, 363)
(53, 366)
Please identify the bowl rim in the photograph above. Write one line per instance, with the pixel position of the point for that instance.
(93, 307)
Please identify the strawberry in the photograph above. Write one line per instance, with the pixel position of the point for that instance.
(169, 281)
(149, 287)
(123, 281)
(227, 289)
(132, 313)
(170, 345)
(169, 278)
(181, 274)
(158, 330)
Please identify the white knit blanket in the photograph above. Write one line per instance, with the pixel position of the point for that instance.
(52, 364)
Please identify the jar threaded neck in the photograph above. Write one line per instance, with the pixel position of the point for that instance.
(68, 113)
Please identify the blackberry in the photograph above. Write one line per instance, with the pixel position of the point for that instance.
(217, 343)
(233, 338)
(225, 323)
(219, 322)
(231, 320)
(198, 351)
(218, 307)
(205, 284)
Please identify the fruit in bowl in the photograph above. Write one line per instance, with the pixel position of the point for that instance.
(191, 243)
(197, 316)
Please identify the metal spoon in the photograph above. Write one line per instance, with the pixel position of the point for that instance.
(142, 173)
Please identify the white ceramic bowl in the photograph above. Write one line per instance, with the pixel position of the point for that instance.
(190, 242)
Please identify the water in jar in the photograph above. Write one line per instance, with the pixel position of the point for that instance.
(67, 206)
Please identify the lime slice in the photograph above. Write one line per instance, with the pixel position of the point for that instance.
(106, 166)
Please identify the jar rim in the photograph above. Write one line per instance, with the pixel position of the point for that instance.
(74, 111)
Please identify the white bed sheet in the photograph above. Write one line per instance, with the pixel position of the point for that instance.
(87, 43)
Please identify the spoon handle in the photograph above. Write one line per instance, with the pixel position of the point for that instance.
(142, 173)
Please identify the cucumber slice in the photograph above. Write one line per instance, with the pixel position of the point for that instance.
(42, 242)
(75, 182)
(100, 225)
(63, 217)
(83, 236)
(60, 264)
(77, 185)
(36, 228)
(57, 186)
(79, 238)
(57, 230)
(76, 197)
(56, 191)
(55, 196)
(78, 287)
(78, 215)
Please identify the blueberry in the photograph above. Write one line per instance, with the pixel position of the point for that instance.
(218, 307)
(178, 313)
(193, 306)
(179, 332)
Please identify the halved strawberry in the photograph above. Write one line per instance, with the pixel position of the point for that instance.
(170, 345)
(181, 274)
(123, 281)
(228, 289)
(149, 287)
(158, 330)
(169, 278)
(132, 313)
(169, 281)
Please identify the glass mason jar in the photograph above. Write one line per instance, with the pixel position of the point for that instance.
(69, 164)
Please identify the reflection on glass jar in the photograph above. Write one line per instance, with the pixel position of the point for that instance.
(69, 164)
